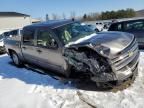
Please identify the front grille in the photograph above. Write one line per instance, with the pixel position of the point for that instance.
(126, 58)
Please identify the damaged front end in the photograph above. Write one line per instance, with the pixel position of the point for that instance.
(106, 57)
(89, 63)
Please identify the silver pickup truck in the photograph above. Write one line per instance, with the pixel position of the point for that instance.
(67, 47)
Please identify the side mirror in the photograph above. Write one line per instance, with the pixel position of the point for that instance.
(52, 44)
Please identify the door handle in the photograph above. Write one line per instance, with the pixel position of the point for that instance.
(38, 50)
(24, 47)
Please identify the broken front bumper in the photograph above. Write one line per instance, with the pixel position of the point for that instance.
(128, 70)
(124, 65)
(119, 76)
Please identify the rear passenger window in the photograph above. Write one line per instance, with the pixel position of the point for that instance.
(135, 25)
(28, 37)
(46, 40)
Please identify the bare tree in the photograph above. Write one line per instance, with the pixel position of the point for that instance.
(63, 16)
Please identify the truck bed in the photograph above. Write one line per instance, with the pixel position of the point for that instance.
(13, 43)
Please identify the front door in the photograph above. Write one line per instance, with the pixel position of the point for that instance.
(48, 52)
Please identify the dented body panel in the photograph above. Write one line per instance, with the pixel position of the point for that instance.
(102, 57)
(107, 47)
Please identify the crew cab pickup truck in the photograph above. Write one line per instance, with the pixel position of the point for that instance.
(68, 48)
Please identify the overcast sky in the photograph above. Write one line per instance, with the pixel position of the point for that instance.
(39, 8)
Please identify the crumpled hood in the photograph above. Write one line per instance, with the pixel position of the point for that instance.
(115, 41)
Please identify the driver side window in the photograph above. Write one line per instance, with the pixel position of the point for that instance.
(46, 40)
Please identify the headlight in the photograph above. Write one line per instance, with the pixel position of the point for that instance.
(105, 51)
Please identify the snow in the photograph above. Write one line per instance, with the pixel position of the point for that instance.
(23, 88)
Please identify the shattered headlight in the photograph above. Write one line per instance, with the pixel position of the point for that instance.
(105, 51)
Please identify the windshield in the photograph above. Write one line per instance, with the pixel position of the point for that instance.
(72, 32)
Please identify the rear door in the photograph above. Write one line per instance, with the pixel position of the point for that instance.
(136, 28)
(28, 45)
(48, 50)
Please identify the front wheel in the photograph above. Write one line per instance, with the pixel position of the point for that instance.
(16, 59)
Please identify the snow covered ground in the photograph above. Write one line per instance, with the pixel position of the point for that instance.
(22, 88)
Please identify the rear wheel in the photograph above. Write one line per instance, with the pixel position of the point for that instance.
(16, 59)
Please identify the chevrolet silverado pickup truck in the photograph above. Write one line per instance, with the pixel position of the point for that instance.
(68, 48)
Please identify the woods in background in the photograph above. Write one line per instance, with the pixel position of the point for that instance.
(128, 13)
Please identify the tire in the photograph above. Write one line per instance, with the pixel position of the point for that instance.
(16, 59)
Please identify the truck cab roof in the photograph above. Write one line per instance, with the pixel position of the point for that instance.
(52, 23)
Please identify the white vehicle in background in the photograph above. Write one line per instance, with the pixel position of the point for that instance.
(2, 48)
(3, 36)
(99, 26)
(7, 35)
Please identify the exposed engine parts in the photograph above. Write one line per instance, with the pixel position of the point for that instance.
(90, 62)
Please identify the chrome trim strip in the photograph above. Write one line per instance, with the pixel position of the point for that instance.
(127, 62)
